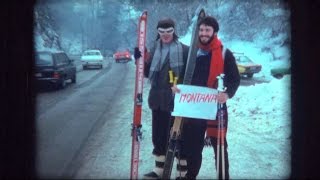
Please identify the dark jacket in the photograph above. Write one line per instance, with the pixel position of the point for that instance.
(160, 95)
(200, 77)
(231, 78)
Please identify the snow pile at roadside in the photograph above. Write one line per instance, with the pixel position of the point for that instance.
(258, 134)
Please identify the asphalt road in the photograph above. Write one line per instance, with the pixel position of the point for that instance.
(67, 117)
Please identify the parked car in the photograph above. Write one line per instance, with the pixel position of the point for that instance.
(122, 56)
(92, 58)
(54, 68)
(279, 72)
(246, 66)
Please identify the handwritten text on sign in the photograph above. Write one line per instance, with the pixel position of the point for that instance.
(195, 102)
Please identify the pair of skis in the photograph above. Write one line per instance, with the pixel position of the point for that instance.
(136, 126)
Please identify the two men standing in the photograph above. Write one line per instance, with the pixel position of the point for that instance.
(170, 54)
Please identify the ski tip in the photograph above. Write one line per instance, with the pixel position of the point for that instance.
(202, 13)
(144, 13)
(144, 16)
(207, 142)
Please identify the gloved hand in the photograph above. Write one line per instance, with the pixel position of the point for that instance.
(137, 53)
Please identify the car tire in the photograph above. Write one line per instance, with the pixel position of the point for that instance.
(278, 76)
(250, 75)
(101, 66)
(63, 83)
(74, 79)
(84, 67)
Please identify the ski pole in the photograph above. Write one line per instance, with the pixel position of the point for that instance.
(221, 135)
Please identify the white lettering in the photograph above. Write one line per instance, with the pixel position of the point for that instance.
(135, 159)
(141, 59)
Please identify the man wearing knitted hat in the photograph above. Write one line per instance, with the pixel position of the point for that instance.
(167, 54)
(212, 60)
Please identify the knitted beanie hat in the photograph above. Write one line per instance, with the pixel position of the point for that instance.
(210, 21)
(165, 23)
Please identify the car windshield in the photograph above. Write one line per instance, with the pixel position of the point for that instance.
(243, 59)
(90, 53)
(122, 50)
(44, 59)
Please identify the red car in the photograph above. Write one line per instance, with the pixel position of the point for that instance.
(122, 56)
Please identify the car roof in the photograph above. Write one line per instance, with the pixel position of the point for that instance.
(92, 50)
(122, 49)
(49, 52)
(238, 54)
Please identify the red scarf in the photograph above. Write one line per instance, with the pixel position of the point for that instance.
(216, 68)
(216, 63)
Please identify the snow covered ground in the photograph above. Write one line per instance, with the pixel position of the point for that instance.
(258, 135)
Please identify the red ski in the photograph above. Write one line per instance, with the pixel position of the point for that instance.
(136, 126)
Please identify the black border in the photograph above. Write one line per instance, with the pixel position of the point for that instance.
(17, 118)
(305, 65)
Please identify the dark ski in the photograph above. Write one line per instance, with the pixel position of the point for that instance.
(173, 145)
(136, 125)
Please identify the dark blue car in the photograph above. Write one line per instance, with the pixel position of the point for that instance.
(54, 68)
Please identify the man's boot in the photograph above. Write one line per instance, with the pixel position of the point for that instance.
(181, 169)
(157, 172)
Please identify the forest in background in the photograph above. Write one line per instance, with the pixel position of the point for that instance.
(111, 24)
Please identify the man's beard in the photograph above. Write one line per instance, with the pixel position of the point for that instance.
(207, 43)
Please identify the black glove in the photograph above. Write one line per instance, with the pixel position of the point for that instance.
(137, 53)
